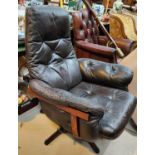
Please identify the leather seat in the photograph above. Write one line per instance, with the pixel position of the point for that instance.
(90, 43)
(85, 97)
(117, 104)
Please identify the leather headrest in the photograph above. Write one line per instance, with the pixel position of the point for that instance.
(45, 23)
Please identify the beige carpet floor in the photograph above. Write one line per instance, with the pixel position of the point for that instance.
(33, 133)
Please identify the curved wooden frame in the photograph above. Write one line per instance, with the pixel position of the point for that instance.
(121, 24)
(115, 17)
(135, 29)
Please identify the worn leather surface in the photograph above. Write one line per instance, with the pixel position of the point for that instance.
(61, 96)
(125, 44)
(50, 54)
(107, 74)
(118, 106)
(86, 29)
(95, 48)
(57, 77)
(105, 56)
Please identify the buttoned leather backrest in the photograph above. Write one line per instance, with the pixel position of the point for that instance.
(85, 27)
(50, 54)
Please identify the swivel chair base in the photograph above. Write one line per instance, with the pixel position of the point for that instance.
(53, 136)
(132, 127)
(133, 124)
(60, 131)
(94, 147)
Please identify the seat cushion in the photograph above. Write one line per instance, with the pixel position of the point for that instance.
(118, 106)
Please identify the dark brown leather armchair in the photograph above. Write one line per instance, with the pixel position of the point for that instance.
(85, 97)
(90, 44)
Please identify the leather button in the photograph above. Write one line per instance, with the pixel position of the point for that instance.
(88, 92)
(90, 63)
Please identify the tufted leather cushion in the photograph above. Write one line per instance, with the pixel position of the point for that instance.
(106, 74)
(85, 27)
(118, 106)
(50, 54)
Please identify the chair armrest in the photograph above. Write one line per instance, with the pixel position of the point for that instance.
(125, 44)
(55, 96)
(103, 40)
(96, 48)
(107, 74)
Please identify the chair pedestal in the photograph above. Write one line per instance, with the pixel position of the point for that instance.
(94, 147)
(60, 131)
(53, 136)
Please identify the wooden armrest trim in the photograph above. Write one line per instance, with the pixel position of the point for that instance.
(75, 114)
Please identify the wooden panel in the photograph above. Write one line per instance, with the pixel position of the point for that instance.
(74, 125)
(74, 112)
